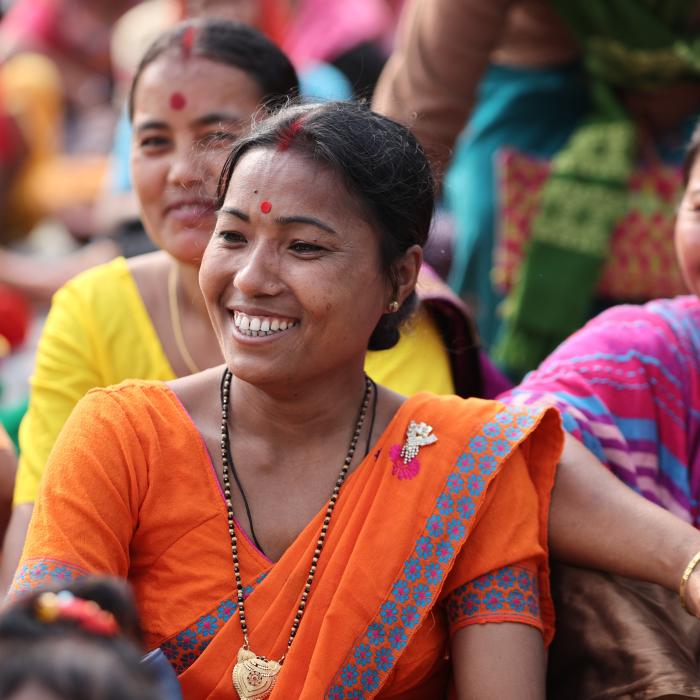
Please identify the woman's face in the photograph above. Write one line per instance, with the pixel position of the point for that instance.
(292, 276)
(187, 113)
(688, 231)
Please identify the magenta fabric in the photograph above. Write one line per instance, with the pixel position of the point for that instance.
(321, 30)
(628, 386)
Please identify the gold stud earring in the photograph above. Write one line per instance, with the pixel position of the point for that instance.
(393, 307)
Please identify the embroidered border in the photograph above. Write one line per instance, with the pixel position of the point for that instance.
(183, 649)
(510, 593)
(368, 663)
(35, 573)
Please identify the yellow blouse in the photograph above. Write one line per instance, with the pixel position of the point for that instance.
(98, 333)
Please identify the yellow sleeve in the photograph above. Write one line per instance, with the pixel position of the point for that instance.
(69, 362)
(418, 362)
(97, 333)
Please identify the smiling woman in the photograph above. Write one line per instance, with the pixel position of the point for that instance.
(146, 318)
(389, 547)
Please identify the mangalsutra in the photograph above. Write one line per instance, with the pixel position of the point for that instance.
(254, 676)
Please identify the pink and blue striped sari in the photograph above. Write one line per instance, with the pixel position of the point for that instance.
(628, 386)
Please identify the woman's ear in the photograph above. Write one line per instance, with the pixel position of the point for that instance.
(405, 271)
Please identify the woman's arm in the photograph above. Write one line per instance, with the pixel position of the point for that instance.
(430, 80)
(8, 467)
(499, 662)
(14, 542)
(94, 483)
(598, 522)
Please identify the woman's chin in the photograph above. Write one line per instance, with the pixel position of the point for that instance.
(188, 249)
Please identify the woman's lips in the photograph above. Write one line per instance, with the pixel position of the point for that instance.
(190, 213)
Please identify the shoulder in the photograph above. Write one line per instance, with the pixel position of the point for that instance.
(627, 338)
(132, 400)
(643, 327)
(115, 271)
(473, 421)
(93, 289)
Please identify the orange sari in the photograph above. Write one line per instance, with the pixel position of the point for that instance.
(414, 553)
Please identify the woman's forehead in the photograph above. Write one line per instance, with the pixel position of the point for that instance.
(289, 182)
(200, 84)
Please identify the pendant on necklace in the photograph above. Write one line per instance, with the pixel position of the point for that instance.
(254, 676)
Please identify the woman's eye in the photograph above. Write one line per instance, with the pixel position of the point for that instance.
(232, 237)
(302, 247)
(217, 137)
(153, 142)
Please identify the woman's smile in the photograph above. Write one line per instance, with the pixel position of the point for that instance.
(261, 326)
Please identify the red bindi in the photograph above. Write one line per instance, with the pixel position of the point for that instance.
(178, 100)
(265, 207)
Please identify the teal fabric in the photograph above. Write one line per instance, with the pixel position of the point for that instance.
(533, 110)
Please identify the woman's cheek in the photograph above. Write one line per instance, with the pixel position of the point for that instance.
(688, 251)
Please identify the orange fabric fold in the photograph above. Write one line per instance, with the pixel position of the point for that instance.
(414, 552)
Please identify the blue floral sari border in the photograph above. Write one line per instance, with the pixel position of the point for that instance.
(41, 572)
(184, 648)
(377, 650)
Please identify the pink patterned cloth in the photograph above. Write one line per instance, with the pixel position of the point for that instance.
(628, 386)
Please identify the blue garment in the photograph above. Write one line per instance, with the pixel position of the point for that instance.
(163, 674)
(322, 81)
(119, 176)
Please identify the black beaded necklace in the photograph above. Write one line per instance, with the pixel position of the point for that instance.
(255, 676)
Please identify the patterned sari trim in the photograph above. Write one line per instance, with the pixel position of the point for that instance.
(184, 648)
(510, 594)
(35, 573)
(377, 650)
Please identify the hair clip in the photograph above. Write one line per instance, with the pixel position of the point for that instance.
(288, 134)
(51, 607)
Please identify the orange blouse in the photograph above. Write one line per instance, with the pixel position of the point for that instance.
(414, 552)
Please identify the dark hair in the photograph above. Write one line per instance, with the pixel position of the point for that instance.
(233, 44)
(69, 661)
(382, 165)
(691, 154)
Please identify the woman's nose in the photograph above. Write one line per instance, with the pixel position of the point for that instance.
(258, 273)
(186, 168)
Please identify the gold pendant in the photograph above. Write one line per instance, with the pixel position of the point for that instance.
(254, 676)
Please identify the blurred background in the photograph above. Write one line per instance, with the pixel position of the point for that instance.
(65, 195)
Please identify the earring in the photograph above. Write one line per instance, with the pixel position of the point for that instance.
(393, 307)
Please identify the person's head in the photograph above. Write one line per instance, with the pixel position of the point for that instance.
(324, 210)
(688, 220)
(193, 94)
(79, 643)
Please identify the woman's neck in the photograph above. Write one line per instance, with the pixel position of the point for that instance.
(289, 415)
(190, 293)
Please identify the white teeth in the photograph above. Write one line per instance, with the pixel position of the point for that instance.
(258, 326)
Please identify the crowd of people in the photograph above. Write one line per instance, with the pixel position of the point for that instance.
(365, 348)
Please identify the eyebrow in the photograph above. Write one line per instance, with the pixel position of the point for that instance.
(206, 120)
(215, 118)
(282, 220)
